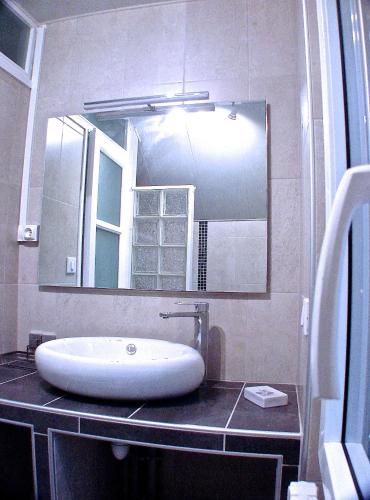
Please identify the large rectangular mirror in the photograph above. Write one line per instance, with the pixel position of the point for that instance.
(169, 201)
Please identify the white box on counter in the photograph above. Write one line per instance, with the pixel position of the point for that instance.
(265, 396)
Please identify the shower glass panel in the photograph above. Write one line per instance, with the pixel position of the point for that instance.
(109, 193)
(106, 259)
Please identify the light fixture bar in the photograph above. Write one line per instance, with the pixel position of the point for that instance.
(95, 106)
(153, 111)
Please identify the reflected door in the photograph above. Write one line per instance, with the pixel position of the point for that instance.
(108, 223)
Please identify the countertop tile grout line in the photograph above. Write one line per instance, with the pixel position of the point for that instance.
(17, 378)
(11, 362)
(137, 410)
(53, 400)
(235, 405)
(299, 410)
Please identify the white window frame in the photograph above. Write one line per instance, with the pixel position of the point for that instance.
(25, 75)
(337, 479)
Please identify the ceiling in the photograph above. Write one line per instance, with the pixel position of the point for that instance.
(44, 11)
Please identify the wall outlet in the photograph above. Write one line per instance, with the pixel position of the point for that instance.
(37, 337)
(28, 232)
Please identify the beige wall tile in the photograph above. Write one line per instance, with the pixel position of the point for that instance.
(222, 90)
(314, 60)
(28, 267)
(36, 311)
(14, 106)
(8, 318)
(60, 241)
(273, 38)
(60, 44)
(281, 95)
(285, 258)
(155, 44)
(271, 352)
(216, 40)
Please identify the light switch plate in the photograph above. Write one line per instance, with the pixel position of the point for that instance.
(71, 265)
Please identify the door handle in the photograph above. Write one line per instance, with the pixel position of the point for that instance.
(353, 191)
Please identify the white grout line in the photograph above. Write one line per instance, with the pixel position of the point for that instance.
(224, 443)
(79, 425)
(138, 409)
(17, 378)
(299, 411)
(235, 405)
(6, 363)
(53, 400)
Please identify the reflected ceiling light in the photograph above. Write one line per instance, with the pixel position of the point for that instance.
(151, 110)
(232, 114)
(121, 104)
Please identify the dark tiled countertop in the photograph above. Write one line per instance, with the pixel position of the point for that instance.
(216, 416)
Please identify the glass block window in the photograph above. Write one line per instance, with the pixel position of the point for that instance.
(176, 202)
(174, 231)
(148, 202)
(160, 238)
(144, 282)
(173, 283)
(146, 232)
(14, 36)
(145, 259)
(173, 260)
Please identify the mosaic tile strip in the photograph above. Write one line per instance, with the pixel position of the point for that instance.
(202, 256)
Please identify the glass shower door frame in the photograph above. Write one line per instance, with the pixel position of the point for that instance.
(126, 159)
(341, 480)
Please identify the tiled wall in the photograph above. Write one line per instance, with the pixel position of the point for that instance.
(236, 49)
(13, 109)
(237, 255)
(61, 200)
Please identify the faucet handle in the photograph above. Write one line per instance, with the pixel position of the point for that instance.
(199, 306)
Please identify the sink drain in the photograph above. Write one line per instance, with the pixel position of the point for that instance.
(131, 349)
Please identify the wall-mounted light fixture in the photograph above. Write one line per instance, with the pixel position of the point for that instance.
(151, 110)
(121, 104)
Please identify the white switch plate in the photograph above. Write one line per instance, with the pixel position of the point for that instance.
(305, 316)
(71, 265)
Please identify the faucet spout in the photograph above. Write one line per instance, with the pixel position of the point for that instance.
(166, 315)
(201, 327)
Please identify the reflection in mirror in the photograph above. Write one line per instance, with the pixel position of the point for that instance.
(174, 201)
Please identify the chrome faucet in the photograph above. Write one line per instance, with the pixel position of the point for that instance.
(201, 326)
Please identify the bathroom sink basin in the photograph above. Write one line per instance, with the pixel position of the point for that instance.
(120, 368)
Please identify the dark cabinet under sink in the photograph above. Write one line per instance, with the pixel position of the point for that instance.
(86, 468)
(16, 462)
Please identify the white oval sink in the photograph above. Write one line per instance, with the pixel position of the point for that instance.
(120, 368)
